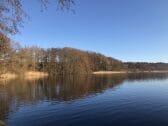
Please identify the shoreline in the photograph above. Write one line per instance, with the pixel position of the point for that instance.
(33, 75)
(29, 75)
(8, 76)
(127, 72)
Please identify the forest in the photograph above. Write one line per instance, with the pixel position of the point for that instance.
(17, 59)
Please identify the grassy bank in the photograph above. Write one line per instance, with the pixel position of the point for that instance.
(110, 72)
(30, 75)
(7, 76)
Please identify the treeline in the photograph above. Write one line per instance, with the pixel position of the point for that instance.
(74, 61)
(17, 59)
(143, 66)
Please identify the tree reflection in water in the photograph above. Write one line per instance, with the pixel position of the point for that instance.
(68, 88)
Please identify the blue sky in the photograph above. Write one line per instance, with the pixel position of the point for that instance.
(129, 30)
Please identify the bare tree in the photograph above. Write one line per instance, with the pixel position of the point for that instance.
(5, 47)
(12, 13)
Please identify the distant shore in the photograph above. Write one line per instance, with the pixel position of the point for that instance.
(125, 72)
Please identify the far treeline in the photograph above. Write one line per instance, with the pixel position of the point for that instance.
(17, 59)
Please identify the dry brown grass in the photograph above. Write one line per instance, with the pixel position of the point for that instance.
(7, 76)
(110, 72)
(32, 75)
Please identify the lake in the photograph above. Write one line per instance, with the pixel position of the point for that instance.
(93, 100)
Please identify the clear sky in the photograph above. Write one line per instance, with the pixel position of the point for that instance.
(129, 30)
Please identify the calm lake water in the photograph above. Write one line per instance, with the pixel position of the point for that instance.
(101, 100)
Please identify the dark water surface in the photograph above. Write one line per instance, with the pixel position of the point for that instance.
(118, 100)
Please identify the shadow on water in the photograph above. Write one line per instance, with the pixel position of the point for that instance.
(62, 89)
